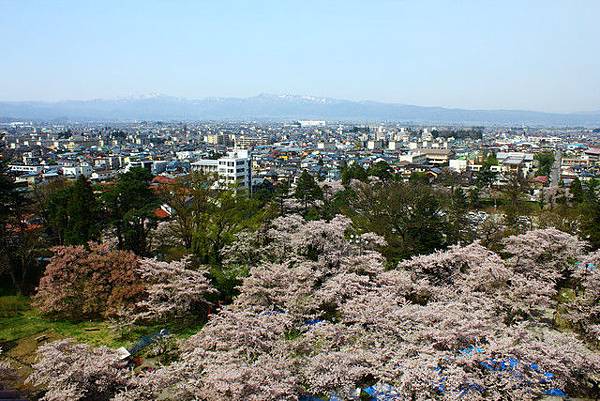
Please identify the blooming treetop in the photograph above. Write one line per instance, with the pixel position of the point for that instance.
(320, 315)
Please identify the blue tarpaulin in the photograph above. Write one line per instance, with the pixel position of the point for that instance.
(556, 392)
(144, 341)
(382, 392)
(386, 392)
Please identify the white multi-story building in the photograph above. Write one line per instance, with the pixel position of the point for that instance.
(512, 162)
(83, 169)
(25, 169)
(248, 142)
(206, 166)
(147, 164)
(232, 170)
(437, 156)
(458, 165)
(413, 158)
(235, 169)
(311, 123)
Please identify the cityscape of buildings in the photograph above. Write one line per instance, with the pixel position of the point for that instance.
(249, 154)
(299, 200)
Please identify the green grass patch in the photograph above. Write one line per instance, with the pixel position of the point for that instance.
(27, 322)
(12, 305)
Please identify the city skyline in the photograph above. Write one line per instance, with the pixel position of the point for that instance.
(538, 56)
(299, 200)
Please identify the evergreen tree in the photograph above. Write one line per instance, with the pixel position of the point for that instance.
(458, 225)
(474, 199)
(590, 214)
(576, 191)
(485, 176)
(130, 205)
(381, 169)
(409, 216)
(228, 214)
(515, 203)
(282, 192)
(353, 171)
(19, 241)
(307, 190)
(419, 178)
(73, 214)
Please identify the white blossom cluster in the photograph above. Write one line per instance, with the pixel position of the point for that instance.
(320, 315)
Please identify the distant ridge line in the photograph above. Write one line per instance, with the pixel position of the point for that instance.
(278, 107)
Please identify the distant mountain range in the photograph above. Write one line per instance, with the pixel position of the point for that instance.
(278, 107)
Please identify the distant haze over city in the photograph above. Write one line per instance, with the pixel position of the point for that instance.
(278, 107)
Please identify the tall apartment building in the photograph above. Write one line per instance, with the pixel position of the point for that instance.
(248, 142)
(233, 169)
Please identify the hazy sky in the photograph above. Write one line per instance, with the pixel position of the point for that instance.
(539, 55)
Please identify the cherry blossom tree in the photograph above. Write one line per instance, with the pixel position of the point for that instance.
(78, 372)
(82, 283)
(172, 290)
(584, 311)
(545, 254)
(344, 322)
(320, 315)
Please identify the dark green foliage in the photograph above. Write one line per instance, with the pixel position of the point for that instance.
(419, 177)
(474, 197)
(10, 199)
(545, 160)
(264, 192)
(20, 241)
(576, 191)
(409, 216)
(226, 279)
(336, 204)
(485, 176)
(459, 230)
(226, 215)
(590, 213)
(381, 169)
(73, 214)
(282, 192)
(353, 171)
(130, 205)
(515, 202)
(307, 190)
(448, 178)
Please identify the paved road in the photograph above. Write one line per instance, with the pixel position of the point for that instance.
(554, 178)
(555, 172)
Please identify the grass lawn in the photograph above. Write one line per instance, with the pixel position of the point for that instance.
(21, 326)
(19, 320)
(29, 323)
